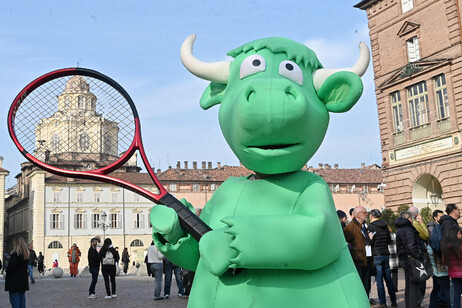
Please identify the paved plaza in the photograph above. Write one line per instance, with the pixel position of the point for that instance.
(132, 291)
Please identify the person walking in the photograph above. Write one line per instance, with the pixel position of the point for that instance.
(74, 258)
(109, 257)
(40, 266)
(93, 266)
(31, 262)
(380, 239)
(16, 282)
(408, 244)
(125, 260)
(155, 259)
(452, 255)
(169, 270)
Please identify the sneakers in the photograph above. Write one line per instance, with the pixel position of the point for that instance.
(394, 304)
(92, 296)
(180, 295)
(108, 297)
(166, 296)
(158, 298)
(114, 295)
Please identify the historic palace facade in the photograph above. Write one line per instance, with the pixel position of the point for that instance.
(416, 51)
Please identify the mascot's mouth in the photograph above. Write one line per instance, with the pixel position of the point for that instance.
(274, 146)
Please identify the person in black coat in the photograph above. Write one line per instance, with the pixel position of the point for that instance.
(93, 266)
(16, 281)
(108, 267)
(408, 244)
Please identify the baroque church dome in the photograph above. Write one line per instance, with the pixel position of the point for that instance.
(77, 84)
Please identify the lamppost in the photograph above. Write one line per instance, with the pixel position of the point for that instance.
(435, 198)
(104, 224)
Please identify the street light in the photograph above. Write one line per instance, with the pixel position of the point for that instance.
(435, 198)
(104, 224)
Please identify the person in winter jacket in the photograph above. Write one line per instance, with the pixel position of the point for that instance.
(380, 239)
(452, 255)
(93, 266)
(408, 244)
(125, 260)
(449, 221)
(16, 281)
(74, 258)
(109, 257)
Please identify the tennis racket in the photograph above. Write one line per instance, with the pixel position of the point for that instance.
(79, 123)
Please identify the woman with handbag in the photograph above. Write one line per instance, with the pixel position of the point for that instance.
(409, 247)
(452, 256)
(16, 281)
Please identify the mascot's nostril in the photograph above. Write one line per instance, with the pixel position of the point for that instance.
(250, 95)
(290, 94)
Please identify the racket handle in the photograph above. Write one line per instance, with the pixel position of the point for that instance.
(189, 221)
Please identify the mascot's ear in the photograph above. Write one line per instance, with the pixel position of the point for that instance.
(213, 95)
(341, 91)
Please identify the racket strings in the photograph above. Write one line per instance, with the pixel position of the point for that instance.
(74, 122)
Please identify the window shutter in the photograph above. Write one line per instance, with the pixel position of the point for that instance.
(61, 221)
(142, 221)
(75, 221)
(119, 225)
(84, 217)
(51, 221)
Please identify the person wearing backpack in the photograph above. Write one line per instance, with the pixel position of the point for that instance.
(440, 292)
(109, 257)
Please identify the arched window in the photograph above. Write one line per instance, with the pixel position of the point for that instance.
(55, 245)
(55, 142)
(84, 142)
(80, 102)
(137, 243)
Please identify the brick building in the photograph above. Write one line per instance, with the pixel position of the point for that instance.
(416, 51)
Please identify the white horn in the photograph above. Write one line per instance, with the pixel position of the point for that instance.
(217, 71)
(360, 67)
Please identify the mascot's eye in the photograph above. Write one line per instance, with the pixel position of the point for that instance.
(252, 65)
(291, 71)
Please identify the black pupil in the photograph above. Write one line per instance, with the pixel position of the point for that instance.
(256, 62)
(289, 66)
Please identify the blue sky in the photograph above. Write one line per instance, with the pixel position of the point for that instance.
(137, 43)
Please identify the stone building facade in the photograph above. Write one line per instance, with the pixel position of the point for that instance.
(416, 51)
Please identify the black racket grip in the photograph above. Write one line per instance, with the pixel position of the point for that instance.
(189, 221)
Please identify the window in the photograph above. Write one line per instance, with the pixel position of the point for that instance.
(213, 187)
(335, 188)
(95, 221)
(196, 187)
(80, 221)
(79, 196)
(107, 143)
(136, 243)
(67, 103)
(418, 104)
(56, 196)
(115, 221)
(84, 142)
(55, 142)
(397, 112)
(55, 245)
(80, 102)
(351, 188)
(441, 93)
(97, 196)
(413, 49)
(138, 220)
(172, 187)
(407, 5)
(57, 221)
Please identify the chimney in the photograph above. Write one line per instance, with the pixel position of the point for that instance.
(209, 165)
(186, 164)
(169, 167)
(310, 168)
(203, 165)
(335, 166)
(194, 164)
(363, 165)
(320, 166)
(218, 165)
(178, 166)
(327, 166)
(158, 172)
(1, 161)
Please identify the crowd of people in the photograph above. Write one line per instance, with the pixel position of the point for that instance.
(377, 251)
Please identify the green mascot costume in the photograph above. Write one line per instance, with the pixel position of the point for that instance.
(276, 240)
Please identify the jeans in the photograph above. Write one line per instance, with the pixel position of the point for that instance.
(382, 267)
(440, 285)
(168, 279)
(109, 271)
(94, 279)
(30, 268)
(18, 299)
(157, 272)
(457, 291)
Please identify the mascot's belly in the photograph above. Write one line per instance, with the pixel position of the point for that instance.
(336, 285)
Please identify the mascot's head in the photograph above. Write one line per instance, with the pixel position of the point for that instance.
(275, 99)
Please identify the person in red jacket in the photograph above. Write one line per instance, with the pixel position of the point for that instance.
(452, 256)
(74, 258)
